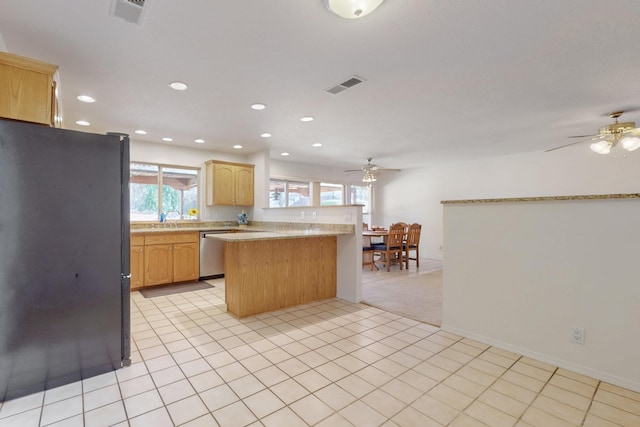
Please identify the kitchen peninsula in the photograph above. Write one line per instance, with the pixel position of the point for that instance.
(270, 270)
(272, 265)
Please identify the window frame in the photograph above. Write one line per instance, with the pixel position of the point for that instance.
(183, 215)
(286, 194)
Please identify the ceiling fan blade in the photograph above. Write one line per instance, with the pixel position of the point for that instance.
(353, 170)
(388, 170)
(564, 146)
(583, 136)
(623, 110)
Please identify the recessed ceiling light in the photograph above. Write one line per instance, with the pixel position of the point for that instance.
(83, 123)
(306, 119)
(199, 141)
(258, 106)
(285, 154)
(237, 147)
(178, 85)
(266, 135)
(317, 144)
(85, 98)
(141, 132)
(165, 139)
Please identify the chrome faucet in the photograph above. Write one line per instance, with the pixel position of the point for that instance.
(177, 216)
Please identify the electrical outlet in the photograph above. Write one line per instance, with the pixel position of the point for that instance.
(577, 335)
(302, 215)
(314, 215)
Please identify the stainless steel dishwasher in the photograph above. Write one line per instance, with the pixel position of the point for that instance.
(211, 254)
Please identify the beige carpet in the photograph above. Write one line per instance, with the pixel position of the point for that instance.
(413, 294)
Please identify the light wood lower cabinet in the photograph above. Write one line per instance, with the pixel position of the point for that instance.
(158, 264)
(266, 275)
(136, 262)
(137, 267)
(165, 258)
(186, 264)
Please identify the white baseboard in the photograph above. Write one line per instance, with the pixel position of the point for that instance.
(580, 369)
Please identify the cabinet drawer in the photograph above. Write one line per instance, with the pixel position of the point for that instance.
(158, 239)
(137, 240)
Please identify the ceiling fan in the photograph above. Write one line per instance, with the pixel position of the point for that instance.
(371, 170)
(609, 136)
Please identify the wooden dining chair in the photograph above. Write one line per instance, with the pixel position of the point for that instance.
(391, 251)
(405, 226)
(412, 244)
(367, 250)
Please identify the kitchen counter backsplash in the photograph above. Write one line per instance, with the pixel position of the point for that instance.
(146, 227)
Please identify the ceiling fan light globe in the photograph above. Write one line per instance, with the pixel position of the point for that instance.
(352, 9)
(630, 142)
(601, 147)
(369, 177)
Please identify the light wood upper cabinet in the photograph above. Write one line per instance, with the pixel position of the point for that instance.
(244, 185)
(229, 184)
(28, 90)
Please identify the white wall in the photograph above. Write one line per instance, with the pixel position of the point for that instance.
(527, 303)
(305, 172)
(520, 275)
(414, 195)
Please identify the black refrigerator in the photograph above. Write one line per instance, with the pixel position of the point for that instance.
(64, 256)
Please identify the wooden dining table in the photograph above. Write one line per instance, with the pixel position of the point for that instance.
(375, 233)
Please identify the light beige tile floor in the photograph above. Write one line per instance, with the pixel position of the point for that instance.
(330, 363)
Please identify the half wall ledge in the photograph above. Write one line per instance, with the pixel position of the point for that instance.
(545, 198)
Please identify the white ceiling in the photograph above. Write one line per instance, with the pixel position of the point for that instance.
(444, 79)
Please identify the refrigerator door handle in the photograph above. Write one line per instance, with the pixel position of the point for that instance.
(125, 276)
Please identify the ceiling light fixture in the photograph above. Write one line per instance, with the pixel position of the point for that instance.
(83, 123)
(85, 98)
(258, 106)
(369, 177)
(624, 133)
(141, 132)
(266, 135)
(285, 154)
(630, 142)
(165, 139)
(317, 144)
(352, 9)
(199, 141)
(178, 86)
(306, 119)
(237, 147)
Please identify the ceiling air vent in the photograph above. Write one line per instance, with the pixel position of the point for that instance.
(130, 10)
(354, 80)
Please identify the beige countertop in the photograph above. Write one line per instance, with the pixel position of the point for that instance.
(258, 232)
(181, 229)
(243, 236)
